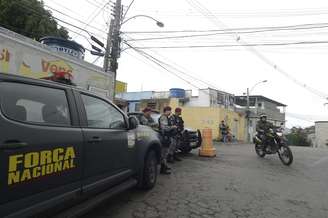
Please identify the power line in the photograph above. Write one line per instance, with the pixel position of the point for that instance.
(183, 71)
(207, 13)
(235, 45)
(163, 66)
(69, 10)
(96, 12)
(16, 29)
(60, 12)
(80, 34)
(97, 58)
(247, 14)
(97, 4)
(58, 19)
(127, 10)
(225, 33)
(236, 30)
(160, 64)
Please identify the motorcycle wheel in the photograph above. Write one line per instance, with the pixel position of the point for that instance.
(259, 150)
(285, 155)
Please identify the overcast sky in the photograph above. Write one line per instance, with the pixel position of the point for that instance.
(231, 69)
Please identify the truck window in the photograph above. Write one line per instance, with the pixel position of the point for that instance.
(35, 104)
(101, 114)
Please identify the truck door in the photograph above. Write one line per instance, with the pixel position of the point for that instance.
(106, 142)
(40, 144)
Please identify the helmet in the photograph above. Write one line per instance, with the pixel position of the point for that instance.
(167, 108)
(263, 115)
(178, 110)
(146, 109)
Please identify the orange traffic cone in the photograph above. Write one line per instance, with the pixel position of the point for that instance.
(207, 149)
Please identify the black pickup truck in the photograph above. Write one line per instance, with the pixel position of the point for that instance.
(60, 145)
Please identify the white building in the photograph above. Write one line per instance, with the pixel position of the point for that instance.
(321, 134)
(212, 98)
(206, 98)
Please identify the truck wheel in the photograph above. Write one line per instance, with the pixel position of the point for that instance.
(150, 171)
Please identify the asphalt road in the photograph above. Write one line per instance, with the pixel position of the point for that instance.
(234, 184)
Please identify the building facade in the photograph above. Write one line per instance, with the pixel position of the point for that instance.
(321, 134)
(206, 110)
(258, 105)
(212, 98)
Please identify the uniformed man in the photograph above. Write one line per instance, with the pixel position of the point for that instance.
(263, 127)
(179, 123)
(224, 131)
(146, 118)
(167, 130)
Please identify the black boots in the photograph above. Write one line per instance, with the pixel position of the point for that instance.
(176, 158)
(170, 158)
(165, 169)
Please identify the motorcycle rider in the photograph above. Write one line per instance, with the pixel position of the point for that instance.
(262, 128)
(177, 120)
(167, 130)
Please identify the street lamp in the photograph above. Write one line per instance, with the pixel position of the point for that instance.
(114, 39)
(158, 23)
(264, 81)
(247, 107)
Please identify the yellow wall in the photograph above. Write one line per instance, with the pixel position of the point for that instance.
(120, 87)
(210, 117)
(204, 117)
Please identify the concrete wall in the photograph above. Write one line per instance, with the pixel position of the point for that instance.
(311, 138)
(210, 117)
(135, 96)
(321, 134)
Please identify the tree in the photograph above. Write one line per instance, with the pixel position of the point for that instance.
(29, 18)
(298, 137)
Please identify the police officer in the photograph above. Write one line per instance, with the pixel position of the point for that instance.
(167, 130)
(224, 131)
(179, 123)
(146, 118)
(262, 128)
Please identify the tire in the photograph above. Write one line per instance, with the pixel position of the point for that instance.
(287, 156)
(200, 140)
(186, 149)
(259, 151)
(184, 143)
(150, 171)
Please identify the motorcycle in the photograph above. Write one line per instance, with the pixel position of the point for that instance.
(276, 143)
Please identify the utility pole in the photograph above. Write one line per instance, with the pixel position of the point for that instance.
(112, 52)
(108, 46)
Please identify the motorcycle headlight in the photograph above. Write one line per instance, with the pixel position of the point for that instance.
(279, 134)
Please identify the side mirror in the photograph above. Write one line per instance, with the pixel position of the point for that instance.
(133, 123)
